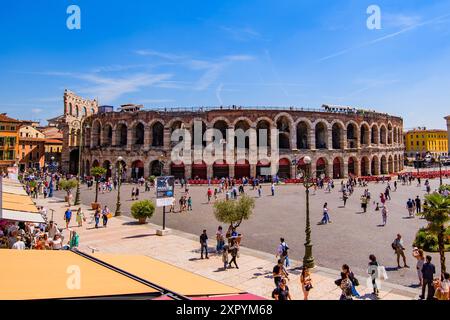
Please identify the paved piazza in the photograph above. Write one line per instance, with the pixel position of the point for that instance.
(350, 238)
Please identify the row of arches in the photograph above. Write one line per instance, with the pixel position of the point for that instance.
(79, 111)
(338, 167)
(303, 135)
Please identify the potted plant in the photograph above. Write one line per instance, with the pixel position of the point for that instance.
(151, 179)
(97, 172)
(67, 186)
(141, 210)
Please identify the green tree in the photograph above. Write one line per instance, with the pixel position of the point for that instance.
(437, 212)
(142, 210)
(97, 172)
(67, 185)
(234, 212)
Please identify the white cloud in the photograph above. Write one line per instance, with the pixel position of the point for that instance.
(408, 28)
(36, 110)
(241, 34)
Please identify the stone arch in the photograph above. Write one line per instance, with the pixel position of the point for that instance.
(322, 166)
(284, 127)
(95, 163)
(352, 134)
(243, 125)
(321, 134)
(156, 168)
(204, 128)
(173, 121)
(84, 111)
(389, 133)
(138, 132)
(245, 119)
(352, 166)
(365, 166)
(374, 134)
(337, 134)
(222, 124)
(96, 133)
(375, 166)
(264, 127)
(287, 116)
(383, 134)
(383, 165)
(70, 109)
(107, 165)
(77, 111)
(303, 129)
(365, 136)
(87, 168)
(338, 168)
(284, 168)
(121, 134)
(157, 130)
(390, 164)
(396, 164)
(107, 134)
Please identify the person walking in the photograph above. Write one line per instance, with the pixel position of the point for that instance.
(68, 217)
(259, 191)
(373, 272)
(133, 192)
(384, 213)
(105, 216)
(136, 193)
(345, 197)
(220, 240)
(346, 269)
(364, 203)
(272, 189)
(204, 244)
(428, 271)
(399, 249)
(234, 250)
(189, 203)
(97, 215)
(418, 205)
(281, 293)
(418, 254)
(209, 194)
(346, 286)
(410, 207)
(282, 252)
(225, 253)
(80, 217)
(306, 282)
(326, 217)
(279, 272)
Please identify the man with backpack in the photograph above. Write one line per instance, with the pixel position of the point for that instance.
(282, 252)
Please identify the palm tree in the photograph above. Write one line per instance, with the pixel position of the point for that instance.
(437, 212)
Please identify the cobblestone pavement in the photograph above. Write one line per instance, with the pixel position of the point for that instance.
(124, 236)
(350, 238)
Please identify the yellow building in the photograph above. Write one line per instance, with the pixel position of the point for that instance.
(426, 142)
(9, 141)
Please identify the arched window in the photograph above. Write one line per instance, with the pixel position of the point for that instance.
(158, 135)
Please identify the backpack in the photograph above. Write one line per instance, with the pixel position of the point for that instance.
(285, 250)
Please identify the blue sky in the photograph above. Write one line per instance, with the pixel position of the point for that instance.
(207, 53)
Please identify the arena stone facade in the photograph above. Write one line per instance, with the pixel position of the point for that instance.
(339, 141)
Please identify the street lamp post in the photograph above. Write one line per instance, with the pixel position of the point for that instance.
(119, 183)
(308, 259)
(80, 123)
(440, 170)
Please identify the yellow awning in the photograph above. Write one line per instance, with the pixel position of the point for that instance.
(167, 276)
(18, 202)
(47, 274)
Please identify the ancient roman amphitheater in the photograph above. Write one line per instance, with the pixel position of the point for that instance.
(341, 141)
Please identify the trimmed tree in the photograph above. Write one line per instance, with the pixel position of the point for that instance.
(141, 210)
(437, 212)
(97, 172)
(233, 212)
(67, 185)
